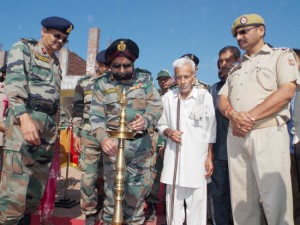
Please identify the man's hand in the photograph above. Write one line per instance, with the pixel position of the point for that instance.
(2, 127)
(109, 146)
(209, 166)
(77, 144)
(242, 123)
(175, 136)
(29, 130)
(138, 124)
(161, 151)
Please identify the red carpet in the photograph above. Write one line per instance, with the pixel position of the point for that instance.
(67, 220)
(35, 220)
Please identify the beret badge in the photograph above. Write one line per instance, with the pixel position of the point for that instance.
(122, 46)
(244, 20)
(69, 29)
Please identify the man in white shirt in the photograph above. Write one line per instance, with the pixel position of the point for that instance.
(192, 141)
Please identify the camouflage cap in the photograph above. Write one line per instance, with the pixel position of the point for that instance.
(192, 57)
(247, 20)
(58, 23)
(3, 68)
(100, 57)
(122, 47)
(163, 73)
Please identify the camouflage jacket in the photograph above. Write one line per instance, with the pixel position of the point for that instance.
(143, 99)
(82, 103)
(31, 74)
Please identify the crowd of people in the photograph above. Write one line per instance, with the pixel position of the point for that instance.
(234, 145)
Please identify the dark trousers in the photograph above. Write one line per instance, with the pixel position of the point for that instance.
(295, 189)
(220, 192)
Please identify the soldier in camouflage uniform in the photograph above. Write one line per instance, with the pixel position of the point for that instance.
(158, 146)
(33, 91)
(143, 110)
(90, 162)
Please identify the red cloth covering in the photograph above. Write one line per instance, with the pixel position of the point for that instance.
(47, 202)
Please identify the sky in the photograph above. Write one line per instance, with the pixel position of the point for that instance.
(163, 29)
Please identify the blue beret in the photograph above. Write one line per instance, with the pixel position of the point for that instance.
(192, 57)
(58, 23)
(122, 47)
(100, 57)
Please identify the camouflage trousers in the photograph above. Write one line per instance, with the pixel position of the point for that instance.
(156, 166)
(91, 165)
(25, 167)
(136, 184)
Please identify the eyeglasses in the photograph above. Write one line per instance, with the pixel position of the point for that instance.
(59, 37)
(125, 66)
(243, 32)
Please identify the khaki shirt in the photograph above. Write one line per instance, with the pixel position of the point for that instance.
(257, 77)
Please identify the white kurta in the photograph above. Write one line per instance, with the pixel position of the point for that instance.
(195, 138)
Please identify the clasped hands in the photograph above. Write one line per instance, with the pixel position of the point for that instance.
(242, 123)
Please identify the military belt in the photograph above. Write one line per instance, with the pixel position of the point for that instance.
(42, 106)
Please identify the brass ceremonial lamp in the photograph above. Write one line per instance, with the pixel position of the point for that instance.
(122, 134)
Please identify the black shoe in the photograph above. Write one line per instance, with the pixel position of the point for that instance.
(25, 220)
(151, 212)
(90, 219)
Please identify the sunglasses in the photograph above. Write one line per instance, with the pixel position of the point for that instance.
(59, 37)
(118, 66)
(243, 32)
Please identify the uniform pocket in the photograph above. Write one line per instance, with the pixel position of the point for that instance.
(266, 78)
(137, 99)
(39, 71)
(13, 157)
(112, 104)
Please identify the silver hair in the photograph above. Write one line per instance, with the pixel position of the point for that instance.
(184, 61)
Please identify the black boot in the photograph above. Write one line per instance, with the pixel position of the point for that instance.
(25, 220)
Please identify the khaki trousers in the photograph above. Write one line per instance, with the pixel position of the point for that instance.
(259, 169)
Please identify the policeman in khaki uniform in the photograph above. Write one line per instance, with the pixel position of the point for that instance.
(33, 92)
(90, 162)
(143, 110)
(255, 98)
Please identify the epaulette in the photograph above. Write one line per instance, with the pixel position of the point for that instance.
(85, 77)
(280, 48)
(235, 67)
(106, 76)
(29, 40)
(143, 71)
(202, 84)
(172, 87)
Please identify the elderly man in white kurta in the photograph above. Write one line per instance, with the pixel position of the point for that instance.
(195, 136)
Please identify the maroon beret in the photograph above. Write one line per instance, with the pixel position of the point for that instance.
(122, 47)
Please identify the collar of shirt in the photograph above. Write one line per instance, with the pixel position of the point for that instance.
(193, 94)
(265, 50)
